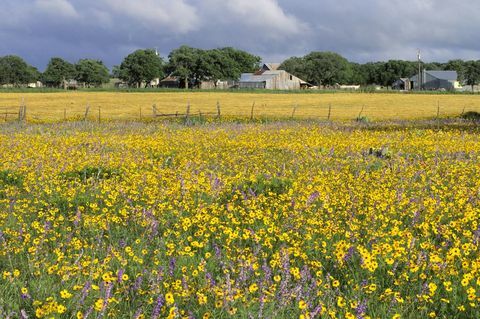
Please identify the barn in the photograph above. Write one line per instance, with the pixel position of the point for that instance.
(436, 80)
(270, 78)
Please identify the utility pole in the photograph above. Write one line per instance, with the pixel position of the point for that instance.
(419, 78)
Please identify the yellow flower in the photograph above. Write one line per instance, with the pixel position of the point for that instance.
(99, 304)
(336, 283)
(341, 302)
(64, 294)
(253, 288)
(302, 305)
(169, 298)
(61, 309)
(349, 315)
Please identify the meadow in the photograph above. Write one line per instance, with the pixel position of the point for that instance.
(286, 219)
(120, 105)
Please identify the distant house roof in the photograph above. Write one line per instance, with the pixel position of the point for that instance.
(441, 75)
(263, 76)
(444, 75)
(170, 78)
(271, 66)
(260, 76)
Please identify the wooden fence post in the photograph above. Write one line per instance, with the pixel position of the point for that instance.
(87, 109)
(361, 111)
(218, 110)
(187, 114)
(329, 111)
(65, 114)
(294, 110)
(99, 114)
(154, 110)
(251, 113)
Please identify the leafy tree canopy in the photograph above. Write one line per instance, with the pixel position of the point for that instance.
(141, 66)
(91, 72)
(14, 70)
(58, 71)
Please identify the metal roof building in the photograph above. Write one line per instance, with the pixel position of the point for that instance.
(271, 79)
(436, 80)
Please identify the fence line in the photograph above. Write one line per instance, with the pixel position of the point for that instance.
(8, 114)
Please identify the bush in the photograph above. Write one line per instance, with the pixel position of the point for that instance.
(471, 115)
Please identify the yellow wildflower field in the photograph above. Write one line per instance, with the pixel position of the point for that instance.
(281, 220)
(344, 106)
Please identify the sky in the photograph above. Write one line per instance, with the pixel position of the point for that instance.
(361, 31)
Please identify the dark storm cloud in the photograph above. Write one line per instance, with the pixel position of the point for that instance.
(362, 31)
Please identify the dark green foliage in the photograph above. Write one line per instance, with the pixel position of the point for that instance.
(141, 66)
(362, 119)
(90, 172)
(382, 153)
(10, 178)
(15, 71)
(266, 184)
(195, 65)
(58, 71)
(472, 116)
(91, 72)
(472, 73)
(320, 68)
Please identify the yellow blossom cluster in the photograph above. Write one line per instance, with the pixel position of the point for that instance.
(281, 220)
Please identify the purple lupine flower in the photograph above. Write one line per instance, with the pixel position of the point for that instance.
(26, 296)
(216, 183)
(218, 251)
(171, 266)
(184, 283)
(268, 273)
(47, 226)
(316, 311)
(262, 303)
(361, 309)
(364, 283)
(350, 253)
(138, 283)
(158, 307)
(85, 290)
(313, 197)
(210, 279)
(476, 236)
(89, 311)
(108, 294)
(285, 278)
(122, 243)
(120, 274)
(137, 313)
(77, 219)
(229, 285)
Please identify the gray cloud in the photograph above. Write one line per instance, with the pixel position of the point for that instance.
(362, 31)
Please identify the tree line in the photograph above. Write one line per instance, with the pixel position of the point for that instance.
(329, 68)
(191, 66)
